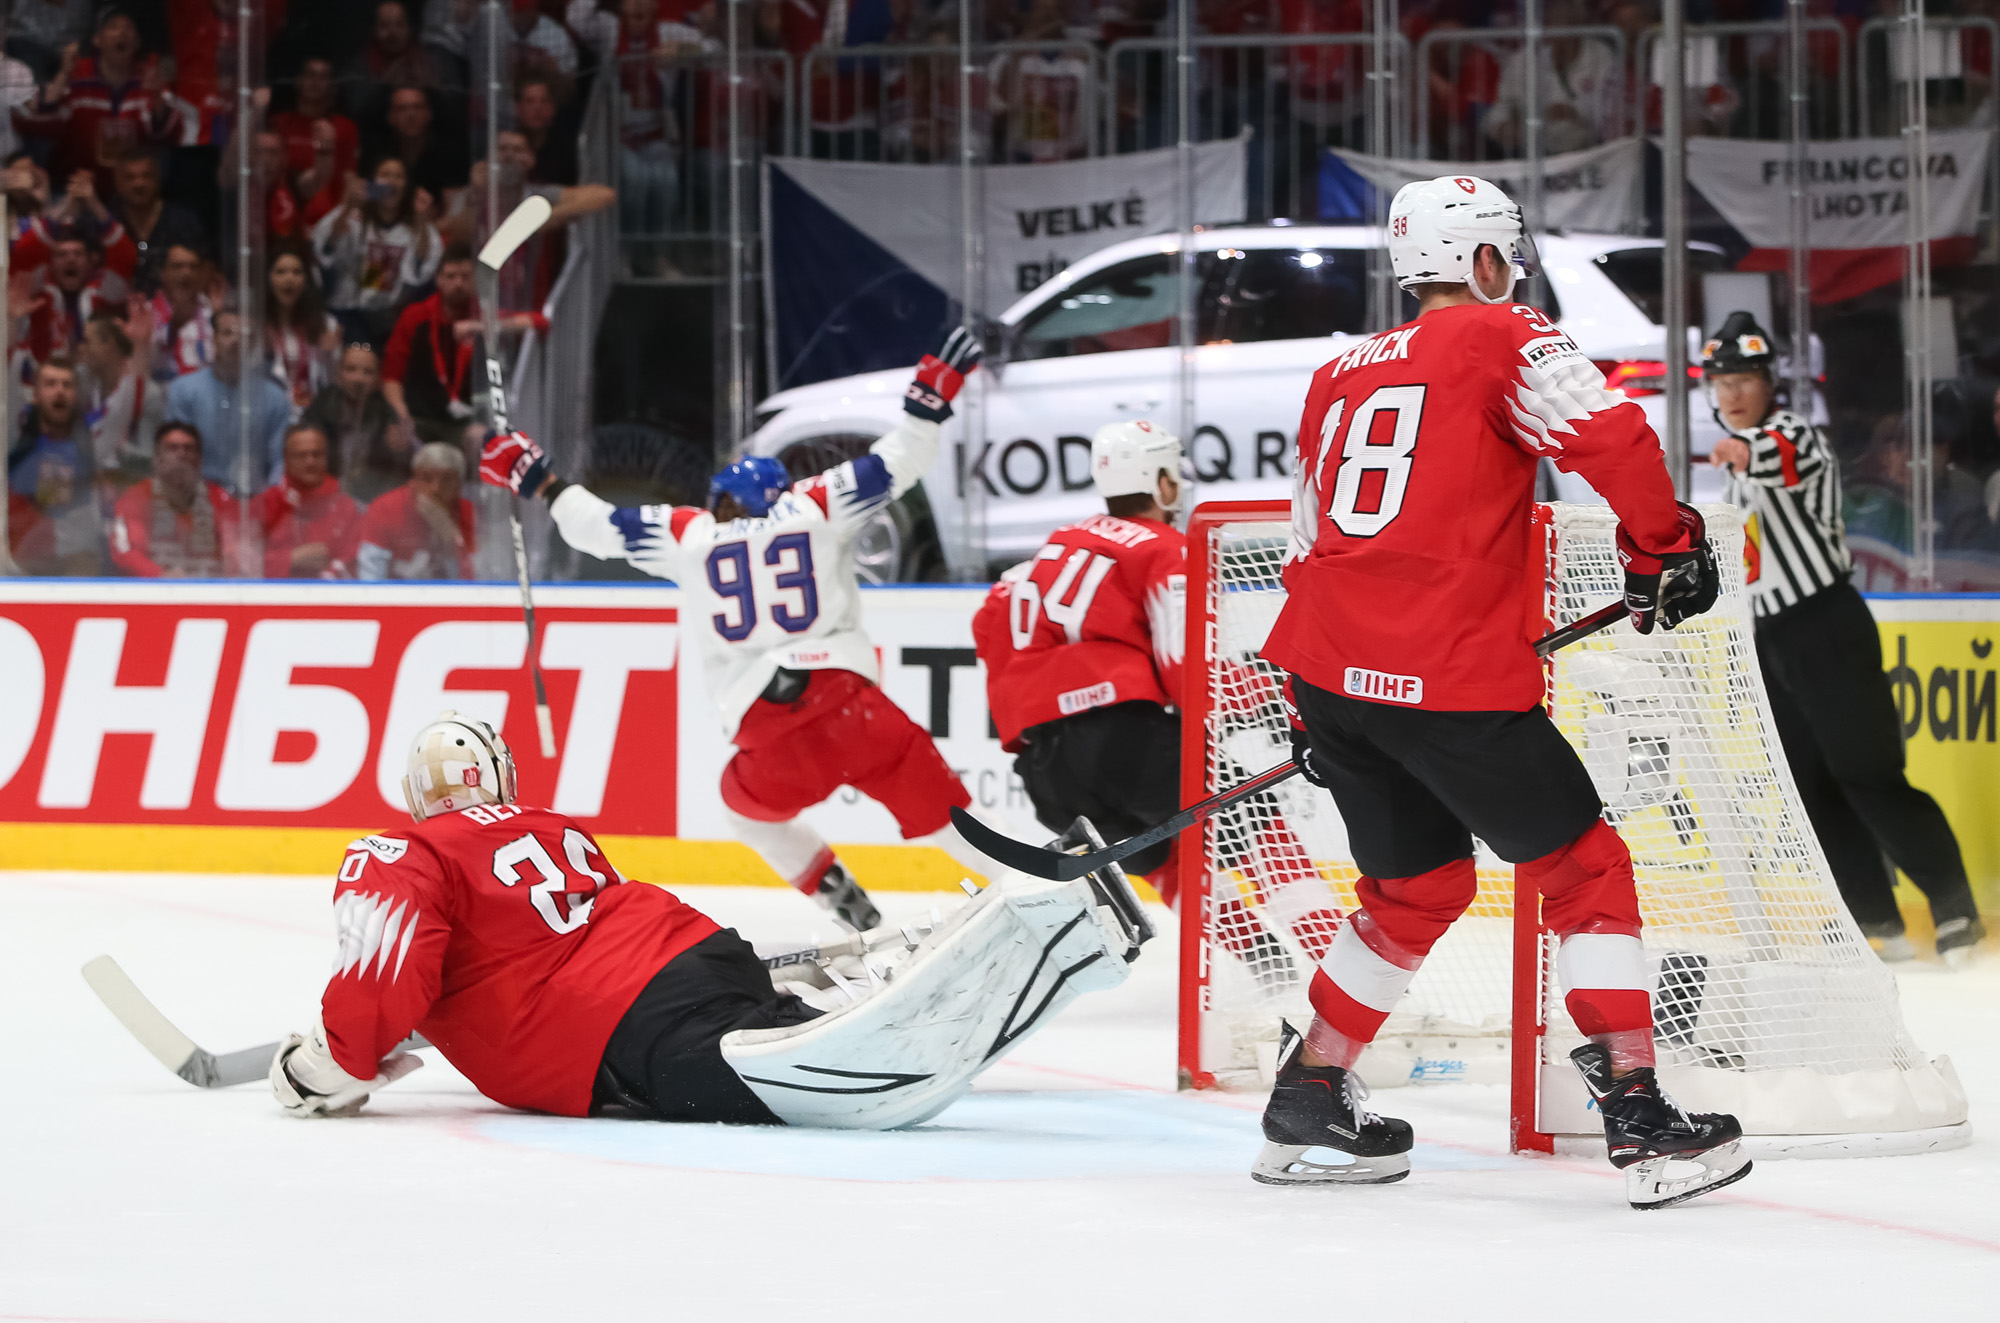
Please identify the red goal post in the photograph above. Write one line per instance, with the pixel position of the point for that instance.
(1768, 1002)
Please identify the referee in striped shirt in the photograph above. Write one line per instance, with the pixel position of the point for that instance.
(1822, 656)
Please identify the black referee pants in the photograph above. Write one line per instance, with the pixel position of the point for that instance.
(1822, 663)
(1119, 766)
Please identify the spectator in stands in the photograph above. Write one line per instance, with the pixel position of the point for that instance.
(299, 338)
(380, 246)
(39, 30)
(321, 146)
(202, 36)
(82, 213)
(538, 119)
(18, 86)
(175, 525)
(1581, 88)
(75, 285)
(52, 514)
(424, 528)
(213, 399)
(651, 56)
(595, 24)
(311, 527)
(370, 445)
(98, 109)
(1042, 93)
(151, 223)
(526, 279)
(183, 316)
(428, 374)
(391, 59)
(434, 162)
(123, 407)
(541, 45)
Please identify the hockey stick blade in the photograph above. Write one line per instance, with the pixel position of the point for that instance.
(517, 229)
(1057, 866)
(174, 1049)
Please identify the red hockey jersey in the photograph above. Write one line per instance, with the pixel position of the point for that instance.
(1410, 539)
(505, 937)
(1094, 619)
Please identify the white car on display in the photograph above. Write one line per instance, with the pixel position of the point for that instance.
(1094, 345)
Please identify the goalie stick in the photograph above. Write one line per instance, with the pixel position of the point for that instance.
(1064, 866)
(517, 229)
(174, 1049)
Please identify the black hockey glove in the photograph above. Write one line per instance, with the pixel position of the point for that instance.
(940, 375)
(1670, 586)
(1301, 742)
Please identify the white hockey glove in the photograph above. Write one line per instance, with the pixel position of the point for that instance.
(309, 1082)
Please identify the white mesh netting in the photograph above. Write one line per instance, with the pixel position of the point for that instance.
(1768, 1002)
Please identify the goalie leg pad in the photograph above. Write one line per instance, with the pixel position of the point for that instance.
(990, 975)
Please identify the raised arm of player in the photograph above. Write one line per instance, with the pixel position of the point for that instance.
(848, 493)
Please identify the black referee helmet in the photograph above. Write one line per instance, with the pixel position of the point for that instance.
(1740, 346)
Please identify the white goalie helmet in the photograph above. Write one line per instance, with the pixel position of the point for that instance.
(1126, 459)
(456, 762)
(1437, 225)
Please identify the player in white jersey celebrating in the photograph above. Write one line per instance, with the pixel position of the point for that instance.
(768, 573)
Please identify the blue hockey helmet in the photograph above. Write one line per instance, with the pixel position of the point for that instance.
(754, 482)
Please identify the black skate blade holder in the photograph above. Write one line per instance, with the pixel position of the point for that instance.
(1109, 883)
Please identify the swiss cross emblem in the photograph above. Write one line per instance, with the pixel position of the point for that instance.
(1465, 184)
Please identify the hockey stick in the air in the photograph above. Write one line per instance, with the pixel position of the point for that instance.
(1058, 866)
(174, 1049)
(517, 229)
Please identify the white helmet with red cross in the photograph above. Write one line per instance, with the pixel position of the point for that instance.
(1437, 225)
(455, 763)
(1126, 459)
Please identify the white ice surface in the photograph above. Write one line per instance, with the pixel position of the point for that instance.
(1075, 1183)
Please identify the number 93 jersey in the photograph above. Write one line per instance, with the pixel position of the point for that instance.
(769, 592)
(504, 935)
(1408, 575)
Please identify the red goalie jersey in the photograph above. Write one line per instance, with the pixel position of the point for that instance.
(1094, 619)
(1407, 574)
(505, 937)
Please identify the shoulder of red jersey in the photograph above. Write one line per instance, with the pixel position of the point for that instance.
(1132, 534)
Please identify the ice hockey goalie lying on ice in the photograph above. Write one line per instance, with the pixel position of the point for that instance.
(503, 935)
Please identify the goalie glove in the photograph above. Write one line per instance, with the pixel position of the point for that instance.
(940, 376)
(512, 460)
(309, 1082)
(1670, 586)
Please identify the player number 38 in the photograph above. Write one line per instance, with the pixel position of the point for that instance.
(1361, 507)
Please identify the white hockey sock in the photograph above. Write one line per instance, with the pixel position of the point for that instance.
(794, 850)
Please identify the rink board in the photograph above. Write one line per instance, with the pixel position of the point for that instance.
(257, 727)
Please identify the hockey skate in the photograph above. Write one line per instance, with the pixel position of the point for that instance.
(839, 892)
(1667, 1155)
(1317, 1133)
(1956, 938)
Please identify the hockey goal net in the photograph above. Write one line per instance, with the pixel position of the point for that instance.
(1768, 1001)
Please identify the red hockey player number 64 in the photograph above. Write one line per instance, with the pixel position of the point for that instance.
(1358, 456)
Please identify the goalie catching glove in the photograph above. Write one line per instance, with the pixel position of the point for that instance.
(512, 460)
(1670, 586)
(940, 376)
(309, 1082)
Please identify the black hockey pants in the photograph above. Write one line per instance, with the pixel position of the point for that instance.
(665, 1057)
(1119, 766)
(1822, 663)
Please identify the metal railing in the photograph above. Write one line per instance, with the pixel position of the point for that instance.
(899, 103)
(1467, 142)
(1297, 95)
(1733, 56)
